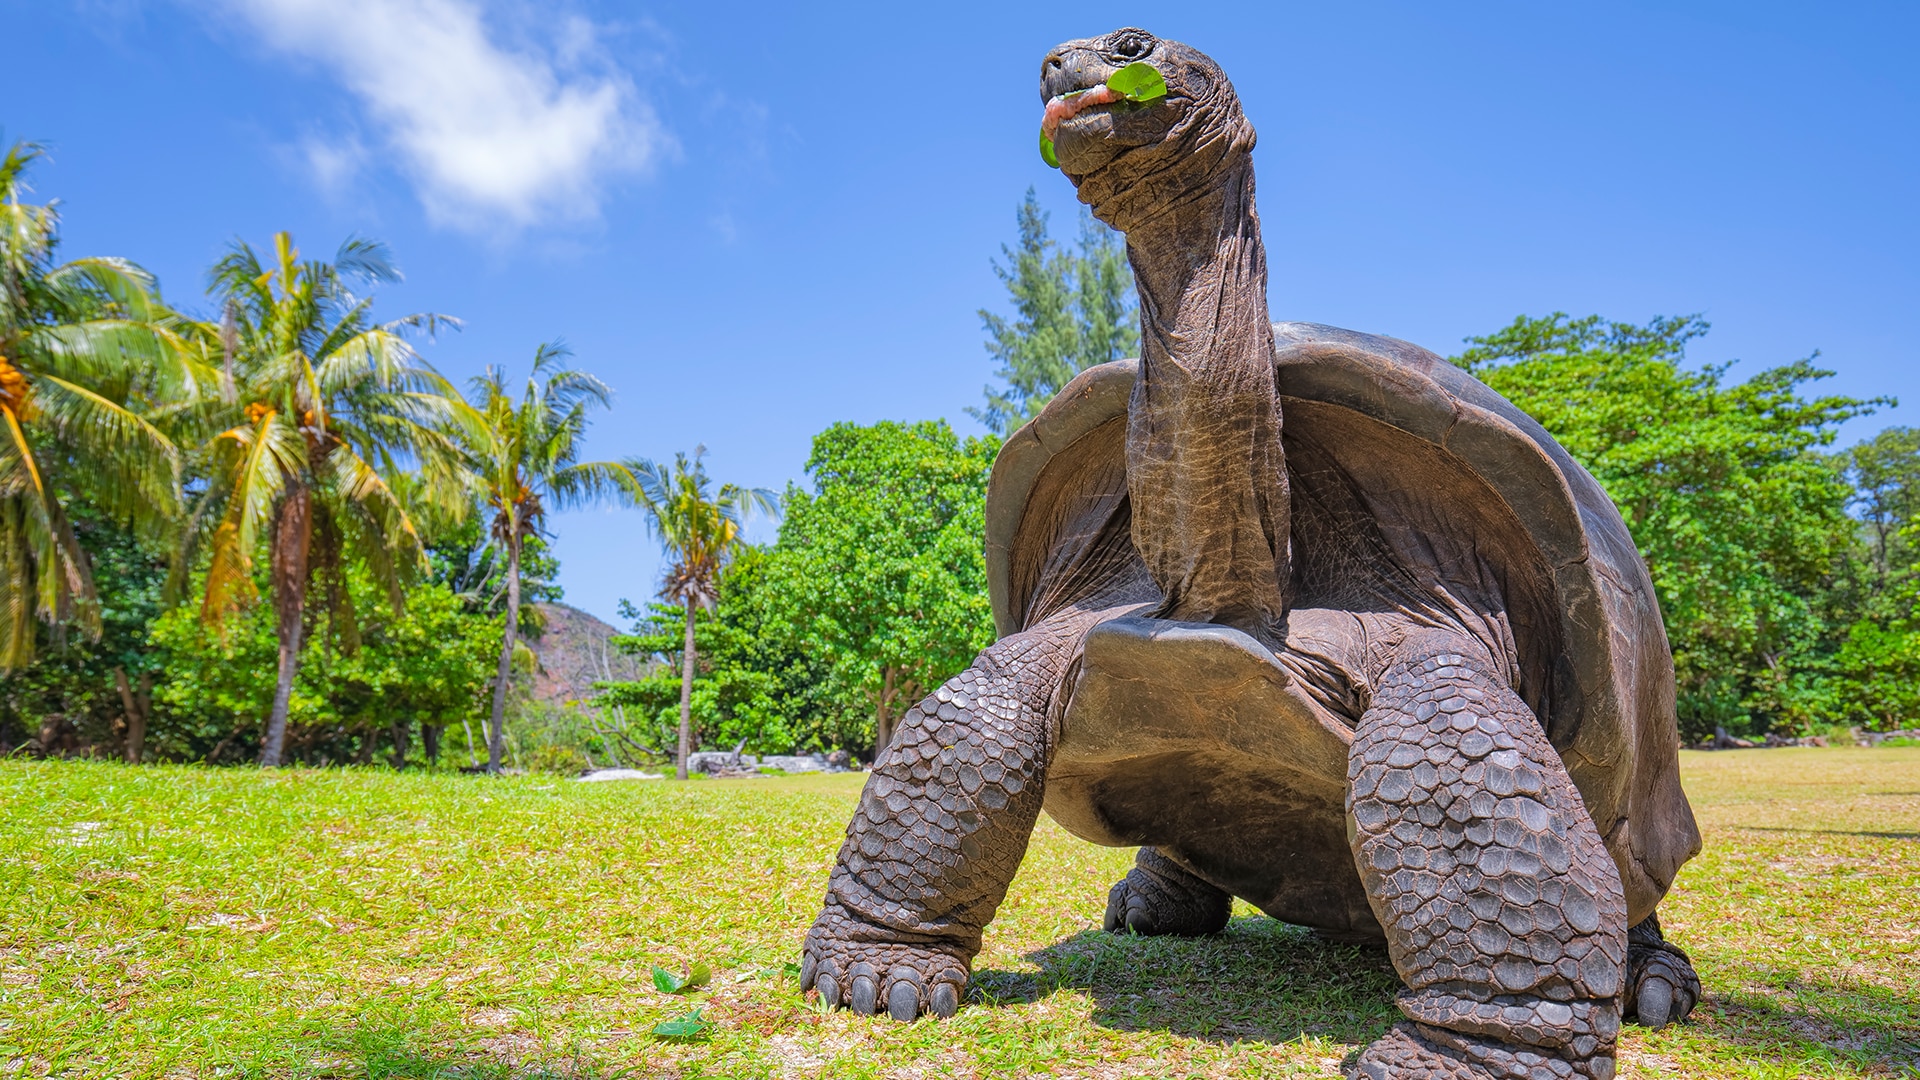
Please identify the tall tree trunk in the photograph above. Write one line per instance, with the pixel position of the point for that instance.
(497, 727)
(430, 742)
(292, 535)
(368, 744)
(137, 706)
(686, 699)
(402, 740)
(882, 716)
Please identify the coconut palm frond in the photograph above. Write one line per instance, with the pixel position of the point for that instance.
(367, 260)
(376, 522)
(16, 600)
(261, 461)
(129, 464)
(370, 360)
(590, 482)
(120, 286)
(45, 568)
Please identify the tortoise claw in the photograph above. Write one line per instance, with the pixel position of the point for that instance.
(1655, 1002)
(903, 1001)
(863, 995)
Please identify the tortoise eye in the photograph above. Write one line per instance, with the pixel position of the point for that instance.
(1132, 46)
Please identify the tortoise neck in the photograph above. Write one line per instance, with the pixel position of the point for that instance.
(1201, 270)
(1206, 474)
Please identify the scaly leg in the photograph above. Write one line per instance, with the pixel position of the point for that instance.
(942, 825)
(1504, 914)
(1159, 896)
(1661, 985)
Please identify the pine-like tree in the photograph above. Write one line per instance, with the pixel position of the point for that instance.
(1071, 309)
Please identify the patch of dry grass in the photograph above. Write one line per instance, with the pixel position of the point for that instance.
(167, 922)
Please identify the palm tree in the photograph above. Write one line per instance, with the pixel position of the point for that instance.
(698, 528)
(325, 405)
(86, 347)
(521, 456)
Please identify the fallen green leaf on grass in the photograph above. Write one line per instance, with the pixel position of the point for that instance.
(668, 983)
(788, 969)
(688, 1028)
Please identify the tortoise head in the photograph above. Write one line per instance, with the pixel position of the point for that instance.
(1132, 160)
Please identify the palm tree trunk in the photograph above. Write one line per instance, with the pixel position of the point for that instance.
(686, 699)
(292, 533)
(497, 727)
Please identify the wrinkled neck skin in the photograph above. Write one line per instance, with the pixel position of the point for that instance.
(1205, 470)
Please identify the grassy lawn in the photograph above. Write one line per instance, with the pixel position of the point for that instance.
(186, 922)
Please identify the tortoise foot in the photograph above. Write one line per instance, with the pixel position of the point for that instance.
(1158, 896)
(849, 965)
(1662, 987)
(1415, 1052)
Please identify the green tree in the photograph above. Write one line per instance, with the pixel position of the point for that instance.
(464, 557)
(733, 702)
(1071, 310)
(326, 408)
(755, 686)
(522, 456)
(699, 527)
(878, 572)
(1876, 671)
(1740, 517)
(86, 348)
(378, 671)
(1885, 471)
(96, 691)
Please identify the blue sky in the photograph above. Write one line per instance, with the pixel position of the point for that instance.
(756, 219)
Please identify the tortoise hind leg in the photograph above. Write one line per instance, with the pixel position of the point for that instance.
(1662, 987)
(1504, 914)
(1159, 896)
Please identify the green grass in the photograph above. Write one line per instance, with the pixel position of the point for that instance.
(178, 922)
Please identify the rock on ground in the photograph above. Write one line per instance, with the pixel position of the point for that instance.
(622, 774)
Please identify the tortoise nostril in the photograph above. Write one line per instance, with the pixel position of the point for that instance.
(1054, 63)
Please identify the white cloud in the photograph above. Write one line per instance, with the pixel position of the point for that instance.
(332, 163)
(494, 136)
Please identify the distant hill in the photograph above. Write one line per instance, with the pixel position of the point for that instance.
(574, 654)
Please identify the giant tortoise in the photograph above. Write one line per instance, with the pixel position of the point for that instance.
(1312, 618)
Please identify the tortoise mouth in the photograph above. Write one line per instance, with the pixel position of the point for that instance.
(1065, 107)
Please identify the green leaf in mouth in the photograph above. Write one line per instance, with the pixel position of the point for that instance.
(1138, 82)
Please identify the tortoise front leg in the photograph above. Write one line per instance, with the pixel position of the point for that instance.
(1504, 914)
(942, 825)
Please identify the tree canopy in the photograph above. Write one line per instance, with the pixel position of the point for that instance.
(1741, 517)
(1072, 309)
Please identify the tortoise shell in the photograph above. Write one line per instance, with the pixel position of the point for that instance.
(1391, 446)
